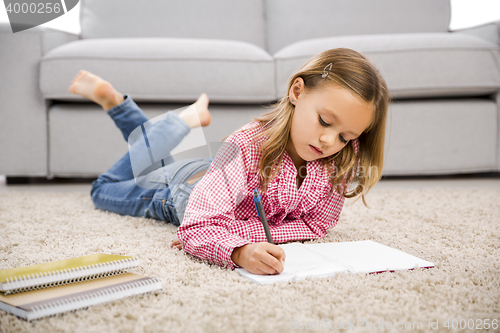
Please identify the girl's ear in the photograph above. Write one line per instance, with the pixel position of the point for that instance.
(296, 89)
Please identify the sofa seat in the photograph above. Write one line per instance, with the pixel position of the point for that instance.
(164, 69)
(418, 65)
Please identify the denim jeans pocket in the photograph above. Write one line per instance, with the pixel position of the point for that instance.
(180, 201)
(180, 189)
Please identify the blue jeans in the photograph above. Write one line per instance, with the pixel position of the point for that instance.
(117, 191)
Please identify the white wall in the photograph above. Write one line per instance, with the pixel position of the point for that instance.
(69, 22)
(470, 13)
(464, 14)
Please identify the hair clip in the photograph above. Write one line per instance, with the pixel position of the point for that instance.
(329, 66)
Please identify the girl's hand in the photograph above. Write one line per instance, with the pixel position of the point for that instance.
(260, 258)
(176, 243)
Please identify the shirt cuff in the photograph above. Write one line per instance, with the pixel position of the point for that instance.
(226, 248)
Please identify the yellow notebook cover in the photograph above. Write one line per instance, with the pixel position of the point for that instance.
(64, 271)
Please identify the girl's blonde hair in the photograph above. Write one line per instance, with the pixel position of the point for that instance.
(352, 71)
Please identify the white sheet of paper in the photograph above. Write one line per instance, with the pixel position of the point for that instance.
(368, 256)
(327, 259)
(299, 264)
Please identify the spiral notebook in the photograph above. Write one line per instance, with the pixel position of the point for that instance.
(46, 302)
(64, 271)
(326, 259)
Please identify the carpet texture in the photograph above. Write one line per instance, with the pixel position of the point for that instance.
(457, 229)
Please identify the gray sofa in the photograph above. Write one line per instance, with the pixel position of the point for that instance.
(445, 86)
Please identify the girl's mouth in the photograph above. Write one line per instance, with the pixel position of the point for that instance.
(316, 150)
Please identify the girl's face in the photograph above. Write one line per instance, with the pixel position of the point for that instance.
(324, 121)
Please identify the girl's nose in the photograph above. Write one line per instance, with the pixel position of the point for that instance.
(329, 140)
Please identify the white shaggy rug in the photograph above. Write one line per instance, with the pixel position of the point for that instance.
(457, 229)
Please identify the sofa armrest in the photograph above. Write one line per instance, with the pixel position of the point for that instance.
(497, 23)
(489, 32)
(497, 100)
(23, 115)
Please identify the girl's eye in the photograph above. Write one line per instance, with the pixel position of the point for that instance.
(322, 122)
(344, 141)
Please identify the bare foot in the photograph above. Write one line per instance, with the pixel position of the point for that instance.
(96, 89)
(197, 114)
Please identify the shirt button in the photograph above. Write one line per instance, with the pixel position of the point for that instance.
(163, 201)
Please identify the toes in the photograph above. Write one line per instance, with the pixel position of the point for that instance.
(203, 99)
(78, 76)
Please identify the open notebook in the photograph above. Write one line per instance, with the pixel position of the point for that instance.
(326, 259)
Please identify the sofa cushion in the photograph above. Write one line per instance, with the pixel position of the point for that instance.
(413, 65)
(84, 140)
(221, 19)
(290, 21)
(164, 69)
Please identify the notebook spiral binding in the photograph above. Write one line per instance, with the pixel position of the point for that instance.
(103, 296)
(67, 276)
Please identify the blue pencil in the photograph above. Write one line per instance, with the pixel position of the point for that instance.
(262, 215)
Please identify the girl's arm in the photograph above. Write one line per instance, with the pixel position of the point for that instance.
(210, 230)
(220, 240)
(207, 229)
(309, 226)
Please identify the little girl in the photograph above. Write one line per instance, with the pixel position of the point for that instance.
(303, 155)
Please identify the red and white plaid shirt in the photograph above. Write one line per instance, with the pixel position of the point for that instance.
(221, 213)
